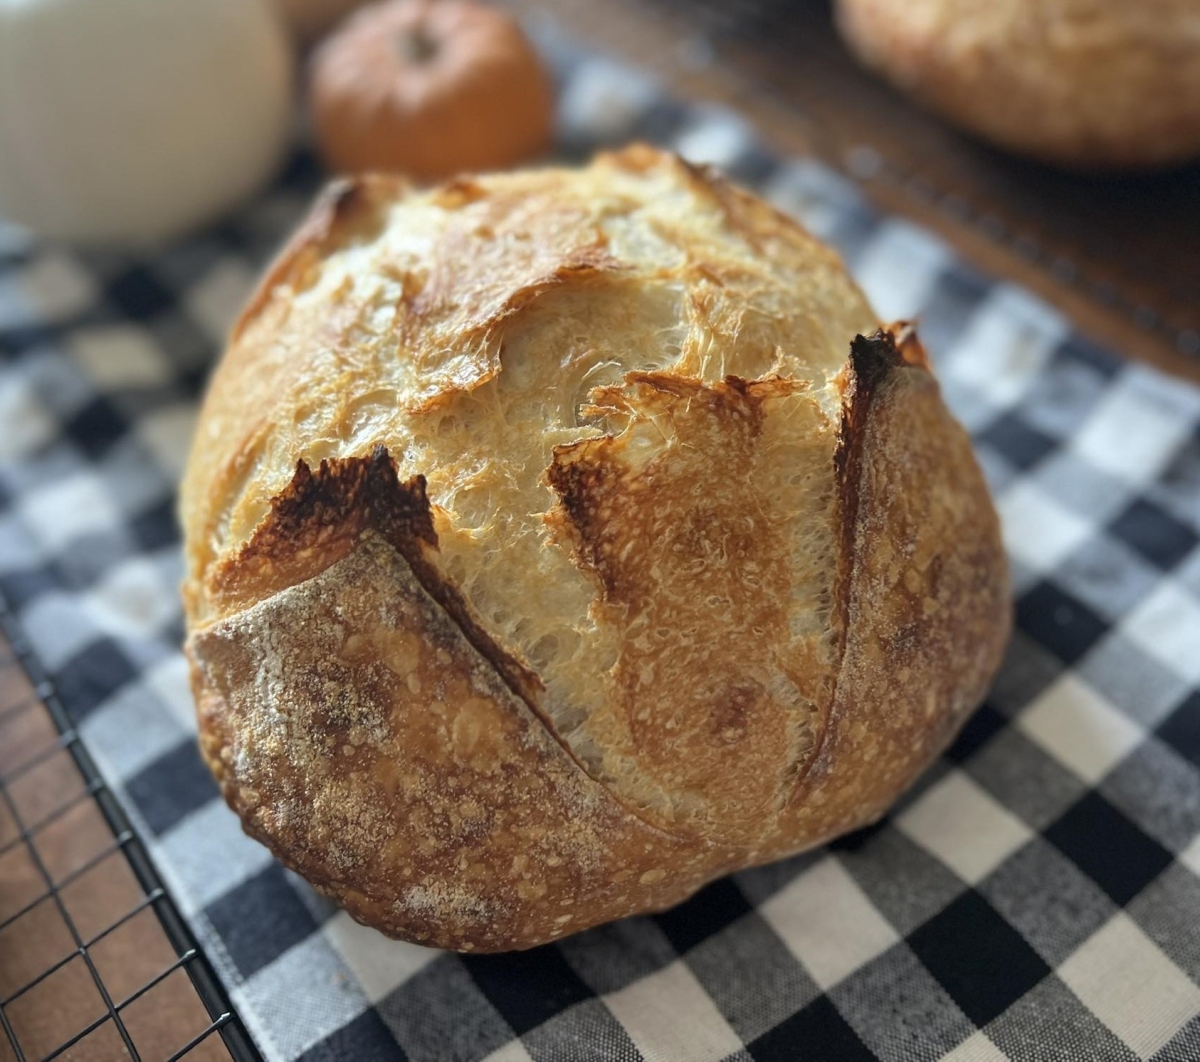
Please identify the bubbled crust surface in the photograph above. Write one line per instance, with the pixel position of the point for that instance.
(1102, 83)
(551, 553)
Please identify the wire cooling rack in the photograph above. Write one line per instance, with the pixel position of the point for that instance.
(96, 961)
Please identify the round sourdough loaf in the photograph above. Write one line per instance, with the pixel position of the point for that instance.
(1077, 83)
(559, 541)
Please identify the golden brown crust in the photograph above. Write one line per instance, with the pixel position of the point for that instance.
(671, 567)
(1102, 83)
(539, 591)
(361, 737)
(926, 606)
(343, 209)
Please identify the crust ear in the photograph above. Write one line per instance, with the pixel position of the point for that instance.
(923, 600)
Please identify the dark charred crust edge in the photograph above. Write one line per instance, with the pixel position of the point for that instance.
(874, 361)
(319, 519)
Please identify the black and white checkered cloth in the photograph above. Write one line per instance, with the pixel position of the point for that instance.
(1037, 897)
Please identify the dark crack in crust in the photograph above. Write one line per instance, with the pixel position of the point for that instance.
(873, 359)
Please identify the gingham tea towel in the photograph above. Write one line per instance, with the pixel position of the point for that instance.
(1036, 897)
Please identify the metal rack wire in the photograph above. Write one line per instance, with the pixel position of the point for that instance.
(47, 780)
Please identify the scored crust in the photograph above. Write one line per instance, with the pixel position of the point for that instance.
(778, 565)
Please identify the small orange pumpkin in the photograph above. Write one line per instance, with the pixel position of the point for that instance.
(429, 88)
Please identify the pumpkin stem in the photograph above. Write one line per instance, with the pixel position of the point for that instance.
(417, 46)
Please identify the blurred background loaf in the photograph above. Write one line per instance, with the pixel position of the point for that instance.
(1078, 83)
